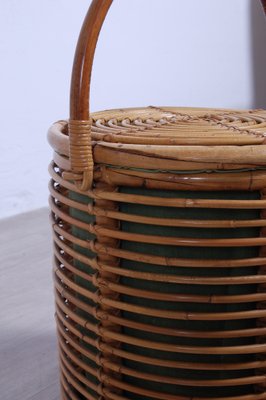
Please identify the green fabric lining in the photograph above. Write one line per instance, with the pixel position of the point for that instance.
(186, 252)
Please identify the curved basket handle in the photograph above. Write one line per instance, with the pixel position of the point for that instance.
(79, 126)
(81, 157)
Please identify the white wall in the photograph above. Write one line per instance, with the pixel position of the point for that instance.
(164, 52)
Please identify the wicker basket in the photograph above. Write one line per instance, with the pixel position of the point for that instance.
(159, 223)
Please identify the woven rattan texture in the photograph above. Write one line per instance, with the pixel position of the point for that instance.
(159, 267)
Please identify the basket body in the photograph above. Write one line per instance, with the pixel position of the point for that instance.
(159, 267)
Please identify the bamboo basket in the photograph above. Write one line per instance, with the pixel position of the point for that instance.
(159, 229)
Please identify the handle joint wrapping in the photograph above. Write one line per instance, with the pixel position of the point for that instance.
(81, 158)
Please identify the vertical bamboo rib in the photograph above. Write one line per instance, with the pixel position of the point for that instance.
(104, 291)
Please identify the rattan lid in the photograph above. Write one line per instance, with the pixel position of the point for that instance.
(180, 126)
(185, 134)
(169, 138)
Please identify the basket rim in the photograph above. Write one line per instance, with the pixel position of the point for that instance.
(206, 138)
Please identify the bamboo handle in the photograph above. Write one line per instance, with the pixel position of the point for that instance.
(81, 157)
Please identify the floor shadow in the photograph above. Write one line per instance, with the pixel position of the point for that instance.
(258, 53)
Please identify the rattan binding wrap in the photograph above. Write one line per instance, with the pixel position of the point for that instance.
(159, 264)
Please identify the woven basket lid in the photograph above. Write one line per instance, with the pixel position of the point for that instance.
(172, 126)
(169, 138)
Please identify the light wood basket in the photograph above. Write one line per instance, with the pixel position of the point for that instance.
(159, 226)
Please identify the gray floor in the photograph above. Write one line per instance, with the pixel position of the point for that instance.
(28, 358)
